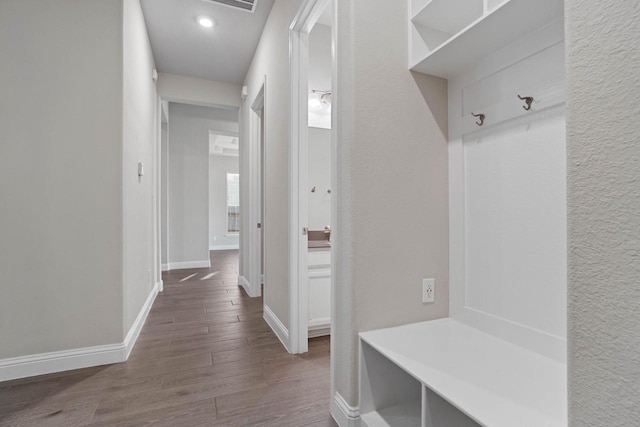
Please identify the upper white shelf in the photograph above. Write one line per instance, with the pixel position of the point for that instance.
(448, 16)
(494, 382)
(446, 36)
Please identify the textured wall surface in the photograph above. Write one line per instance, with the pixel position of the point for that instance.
(397, 183)
(603, 139)
(139, 145)
(60, 175)
(271, 61)
(343, 344)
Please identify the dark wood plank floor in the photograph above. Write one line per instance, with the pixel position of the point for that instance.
(204, 358)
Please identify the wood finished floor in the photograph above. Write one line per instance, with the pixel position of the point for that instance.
(205, 357)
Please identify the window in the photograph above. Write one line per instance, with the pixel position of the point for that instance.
(233, 203)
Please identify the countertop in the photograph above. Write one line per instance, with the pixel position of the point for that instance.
(319, 244)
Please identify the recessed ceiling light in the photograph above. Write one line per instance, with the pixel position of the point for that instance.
(205, 21)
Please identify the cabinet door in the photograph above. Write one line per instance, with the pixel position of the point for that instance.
(319, 298)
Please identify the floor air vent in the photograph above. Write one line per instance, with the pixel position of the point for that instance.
(247, 5)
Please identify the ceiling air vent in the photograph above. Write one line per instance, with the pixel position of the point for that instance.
(246, 5)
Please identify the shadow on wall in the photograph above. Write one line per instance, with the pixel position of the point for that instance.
(433, 90)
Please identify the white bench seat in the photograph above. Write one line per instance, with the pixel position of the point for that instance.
(493, 382)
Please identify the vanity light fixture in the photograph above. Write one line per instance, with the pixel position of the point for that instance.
(206, 22)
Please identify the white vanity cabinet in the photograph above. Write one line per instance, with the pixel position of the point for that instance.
(319, 291)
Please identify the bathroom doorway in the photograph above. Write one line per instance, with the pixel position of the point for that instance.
(312, 173)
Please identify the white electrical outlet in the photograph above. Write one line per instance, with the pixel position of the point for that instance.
(428, 290)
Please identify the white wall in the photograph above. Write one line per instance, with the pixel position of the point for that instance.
(60, 175)
(319, 177)
(193, 90)
(392, 128)
(140, 145)
(188, 198)
(320, 70)
(319, 129)
(271, 60)
(219, 167)
(164, 190)
(603, 138)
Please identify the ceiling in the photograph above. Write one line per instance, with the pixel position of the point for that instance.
(181, 46)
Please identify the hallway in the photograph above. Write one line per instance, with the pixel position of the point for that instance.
(205, 357)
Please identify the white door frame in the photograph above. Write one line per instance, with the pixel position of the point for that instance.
(157, 195)
(299, 30)
(254, 288)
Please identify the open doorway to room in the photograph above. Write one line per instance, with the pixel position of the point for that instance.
(199, 151)
(253, 284)
(312, 173)
(224, 191)
(319, 177)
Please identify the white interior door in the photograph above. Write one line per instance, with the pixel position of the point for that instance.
(257, 194)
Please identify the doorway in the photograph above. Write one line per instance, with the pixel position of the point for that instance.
(257, 190)
(313, 176)
(199, 148)
(224, 191)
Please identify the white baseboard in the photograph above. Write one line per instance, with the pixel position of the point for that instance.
(242, 281)
(319, 327)
(77, 358)
(224, 247)
(136, 328)
(344, 414)
(160, 286)
(322, 332)
(59, 361)
(319, 323)
(277, 327)
(186, 264)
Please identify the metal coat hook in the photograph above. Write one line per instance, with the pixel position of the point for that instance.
(481, 118)
(329, 191)
(527, 100)
(313, 190)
